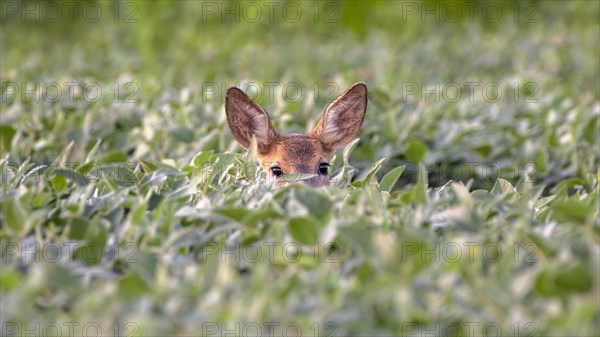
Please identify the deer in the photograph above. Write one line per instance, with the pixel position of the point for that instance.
(307, 154)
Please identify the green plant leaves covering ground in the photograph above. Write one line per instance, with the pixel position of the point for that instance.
(127, 207)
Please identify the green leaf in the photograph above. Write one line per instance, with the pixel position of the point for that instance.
(131, 286)
(541, 161)
(59, 183)
(544, 201)
(202, 157)
(590, 132)
(577, 278)
(118, 173)
(235, 213)
(566, 183)
(7, 133)
(183, 134)
(89, 253)
(254, 218)
(483, 150)
(415, 152)
(304, 230)
(115, 156)
(558, 282)
(295, 177)
(78, 228)
(380, 98)
(128, 122)
(148, 166)
(389, 179)
(42, 200)
(92, 251)
(358, 236)
(144, 264)
(85, 169)
(372, 172)
(14, 214)
(9, 279)
(502, 187)
(63, 278)
(251, 154)
(318, 204)
(138, 213)
(348, 149)
(71, 175)
(420, 195)
(544, 284)
(542, 244)
(572, 210)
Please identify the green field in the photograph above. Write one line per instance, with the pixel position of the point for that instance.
(469, 205)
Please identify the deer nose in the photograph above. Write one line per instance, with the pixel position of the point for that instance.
(317, 181)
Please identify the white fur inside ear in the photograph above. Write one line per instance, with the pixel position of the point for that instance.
(260, 126)
(246, 119)
(343, 120)
(332, 129)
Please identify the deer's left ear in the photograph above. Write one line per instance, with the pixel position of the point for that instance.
(343, 118)
(246, 119)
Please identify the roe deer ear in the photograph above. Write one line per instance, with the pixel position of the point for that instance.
(343, 118)
(246, 119)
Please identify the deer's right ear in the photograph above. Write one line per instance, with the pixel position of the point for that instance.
(247, 119)
(343, 118)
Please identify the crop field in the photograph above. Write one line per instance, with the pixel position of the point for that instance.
(468, 204)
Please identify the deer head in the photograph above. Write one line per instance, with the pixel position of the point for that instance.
(281, 154)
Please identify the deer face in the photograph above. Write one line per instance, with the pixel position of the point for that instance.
(311, 153)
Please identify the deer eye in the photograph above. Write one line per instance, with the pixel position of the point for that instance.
(277, 171)
(323, 168)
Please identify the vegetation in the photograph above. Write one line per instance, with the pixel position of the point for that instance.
(468, 207)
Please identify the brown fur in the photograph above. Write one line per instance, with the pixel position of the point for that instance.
(297, 153)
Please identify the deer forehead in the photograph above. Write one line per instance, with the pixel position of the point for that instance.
(295, 150)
